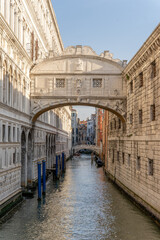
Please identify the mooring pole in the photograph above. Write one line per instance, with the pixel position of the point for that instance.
(56, 166)
(59, 165)
(44, 177)
(39, 181)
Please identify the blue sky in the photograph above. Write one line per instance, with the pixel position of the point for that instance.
(120, 26)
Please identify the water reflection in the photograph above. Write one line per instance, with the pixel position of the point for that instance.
(81, 206)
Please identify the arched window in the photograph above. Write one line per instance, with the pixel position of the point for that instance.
(15, 89)
(5, 82)
(24, 94)
(10, 82)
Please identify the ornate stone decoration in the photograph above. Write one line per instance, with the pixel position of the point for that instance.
(60, 83)
(79, 65)
(97, 83)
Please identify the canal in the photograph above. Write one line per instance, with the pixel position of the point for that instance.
(83, 205)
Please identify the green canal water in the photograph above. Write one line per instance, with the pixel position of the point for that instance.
(83, 205)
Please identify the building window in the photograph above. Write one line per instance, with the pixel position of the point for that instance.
(138, 163)
(60, 83)
(129, 159)
(3, 133)
(119, 123)
(14, 157)
(14, 137)
(97, 83)
(140, 116)
(113, 156)
(17, 134)
(153, 69)
(111, 125)
(152, 112)
(9, 134)
(150, 167)
(131, 87)
(141, 79)
(130, 118)
(115, 123)
(123, 159)
(118, 156)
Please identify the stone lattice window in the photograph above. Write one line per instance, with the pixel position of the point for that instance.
(140, 116)
(153, 69)
(141, 79)
(152, 112)
(60, 83)
(138, 163)
(150, 167)
(97, 83)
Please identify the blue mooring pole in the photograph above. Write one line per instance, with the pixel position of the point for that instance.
(39, 181)
(44, 177)
(56, 166)
(63, 161)
(60, 163)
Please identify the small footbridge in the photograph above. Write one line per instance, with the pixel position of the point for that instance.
(85, 146)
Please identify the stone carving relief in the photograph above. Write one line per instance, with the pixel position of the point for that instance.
(79, 65)
(78, 86)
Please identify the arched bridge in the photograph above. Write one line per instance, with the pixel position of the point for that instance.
(88, 147)
(78, 77)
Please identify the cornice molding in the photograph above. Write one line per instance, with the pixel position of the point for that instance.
(151, 45)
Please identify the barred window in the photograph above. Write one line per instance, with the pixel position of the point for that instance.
(140, 116)
(131, 118)
(152, 112)
(115, 123)
(150, 167)
(123, 159)
(60, 83)
(113, 156)
(153, 69)
(131, 87)
(138, 163)
(118, 156)
(119, 123)
(141, 79)
(97, 83)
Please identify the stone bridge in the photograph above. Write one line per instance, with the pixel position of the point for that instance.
(78, 77)
(88, 147)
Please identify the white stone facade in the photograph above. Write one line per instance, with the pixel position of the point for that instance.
(28, 32)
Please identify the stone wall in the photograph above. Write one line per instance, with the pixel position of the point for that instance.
(134, 148)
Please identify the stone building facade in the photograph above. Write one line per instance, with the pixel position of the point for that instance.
(28, 32)
(134, 148)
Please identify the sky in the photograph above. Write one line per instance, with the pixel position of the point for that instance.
(120, 26)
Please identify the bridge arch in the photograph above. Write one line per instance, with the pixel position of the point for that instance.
(93, 148)
(78, 77)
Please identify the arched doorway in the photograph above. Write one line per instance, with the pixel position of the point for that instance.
(23, 160)
(29, 160)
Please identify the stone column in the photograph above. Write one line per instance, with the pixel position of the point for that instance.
(20, 26)
(16, 22)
